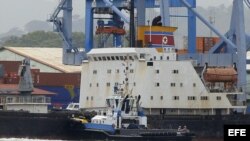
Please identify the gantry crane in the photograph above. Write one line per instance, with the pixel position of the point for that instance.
(63, 25)
(118, 18)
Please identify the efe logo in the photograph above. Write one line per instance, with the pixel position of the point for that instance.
(237, 132)
(241, 132)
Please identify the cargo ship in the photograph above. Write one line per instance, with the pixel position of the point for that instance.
(201, 91)
(123, 119)
(204, 91)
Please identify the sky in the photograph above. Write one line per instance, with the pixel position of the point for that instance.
(16, 13)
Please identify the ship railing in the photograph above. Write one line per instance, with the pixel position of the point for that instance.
(232, 90)
(144, 131)
(230, 116)
(237, 102)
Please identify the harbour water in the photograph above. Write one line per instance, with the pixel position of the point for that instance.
(28, 139)
(25, 139)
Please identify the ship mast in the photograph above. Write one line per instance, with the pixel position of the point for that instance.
(126, 91)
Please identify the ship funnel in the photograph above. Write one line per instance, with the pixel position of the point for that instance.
(25, 82)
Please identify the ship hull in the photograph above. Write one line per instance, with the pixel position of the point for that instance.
(59, 126)
(101, 135)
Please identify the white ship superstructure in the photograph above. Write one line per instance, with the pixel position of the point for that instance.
(166, 86)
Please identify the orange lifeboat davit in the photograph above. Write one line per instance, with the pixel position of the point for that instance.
(220, 75)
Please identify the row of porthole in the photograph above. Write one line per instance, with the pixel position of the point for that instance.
(189, 98)
(174, 98)
(107, 84)
(173, 84)
(113, 58)
(117, 71)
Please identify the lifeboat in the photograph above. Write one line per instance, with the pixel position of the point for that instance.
(220, 75)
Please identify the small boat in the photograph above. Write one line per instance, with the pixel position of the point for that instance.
(124, 119)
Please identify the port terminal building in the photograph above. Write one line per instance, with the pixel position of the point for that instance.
(48, 72)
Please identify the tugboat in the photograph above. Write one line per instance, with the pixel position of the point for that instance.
(124, 119)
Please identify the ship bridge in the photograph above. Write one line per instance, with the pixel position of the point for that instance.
(109, 54)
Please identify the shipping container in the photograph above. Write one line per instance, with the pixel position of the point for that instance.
(216, 40)
(11, 66)
(57, 79)
(200, 43)
(182, 51)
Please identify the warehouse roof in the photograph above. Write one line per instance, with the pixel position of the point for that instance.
(51, 57)
(13, 89)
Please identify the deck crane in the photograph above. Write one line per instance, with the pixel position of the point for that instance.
(63, 25)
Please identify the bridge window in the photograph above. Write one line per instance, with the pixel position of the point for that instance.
(131, 58)
(176, 97)
(181, 84)
(191, 98)
(157, 71)
(218, 97)
(97, 84)
(104, 58)
(161, 97)
(157, 84)
(90, 85)
(151, 97)
(100, 58)
(175, 71)
(112, 57)
(142, 56)
(194, 85)
(117, 57)
(94, 71)
(204, 98)
(150, 63)
(131, 71)
(108, 84)
(172, 84)
(121, 58)
(95, 59)
(87, 98)
(108, 58)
